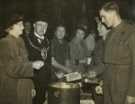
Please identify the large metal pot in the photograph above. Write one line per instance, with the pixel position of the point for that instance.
(64, 93)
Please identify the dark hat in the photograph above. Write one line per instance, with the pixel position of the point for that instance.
(40, 17)
(10, 20)
(82, 27)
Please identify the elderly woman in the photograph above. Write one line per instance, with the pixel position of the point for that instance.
(15, 69)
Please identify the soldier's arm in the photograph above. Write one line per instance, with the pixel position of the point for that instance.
(131, 44)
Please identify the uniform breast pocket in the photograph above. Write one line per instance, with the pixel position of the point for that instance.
(122, 49)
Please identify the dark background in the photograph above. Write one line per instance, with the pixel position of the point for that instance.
(71, 12)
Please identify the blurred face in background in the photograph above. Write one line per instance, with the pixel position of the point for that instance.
(60, 32)
(102, 29)
(40, 27)
(80, 34)
(27, 27)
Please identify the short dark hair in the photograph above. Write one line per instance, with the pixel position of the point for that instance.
(81, 28)
(111, 6)
(60, 25)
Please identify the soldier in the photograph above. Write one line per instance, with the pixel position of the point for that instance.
(119, 57)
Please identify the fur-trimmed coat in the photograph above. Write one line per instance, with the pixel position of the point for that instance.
(15, 72)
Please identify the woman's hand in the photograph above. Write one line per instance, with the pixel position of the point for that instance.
(33, 93)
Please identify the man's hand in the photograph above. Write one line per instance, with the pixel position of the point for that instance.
(54, 62)
(63, 68)
(130, 100)
(67, 70)
(92, 74)
(37, 65)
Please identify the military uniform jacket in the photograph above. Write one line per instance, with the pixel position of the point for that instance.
(119, 58)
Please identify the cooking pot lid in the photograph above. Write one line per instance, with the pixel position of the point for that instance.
(65, 85)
